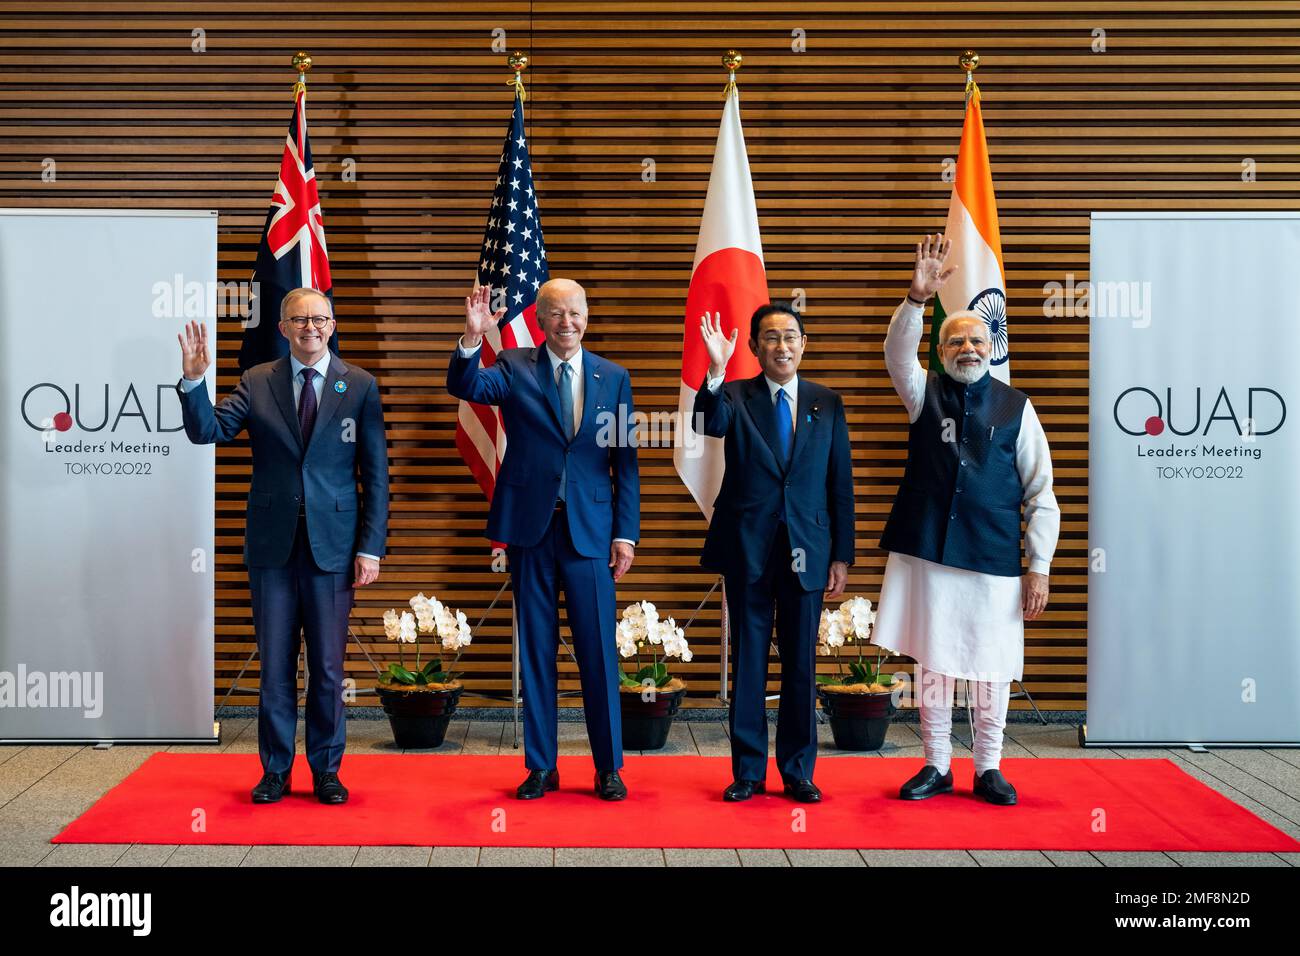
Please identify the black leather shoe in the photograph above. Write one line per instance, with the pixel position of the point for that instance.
(804, 791)
(328, 788)
(610, 786)
(538, 784)
(271, 787)
(743, 790)
(994, 788)
(926, 783)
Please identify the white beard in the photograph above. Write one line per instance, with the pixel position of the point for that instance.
(966, 374)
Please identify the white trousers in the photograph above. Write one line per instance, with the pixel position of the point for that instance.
(989, 701)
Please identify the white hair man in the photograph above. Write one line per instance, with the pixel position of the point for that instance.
(953, 597)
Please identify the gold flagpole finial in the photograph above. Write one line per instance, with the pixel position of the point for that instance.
(302, 63)
(732, 60)
(518, 62)
(969, 61)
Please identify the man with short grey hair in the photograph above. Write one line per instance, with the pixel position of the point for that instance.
(316, 429)
(567, 504)
(954, 598)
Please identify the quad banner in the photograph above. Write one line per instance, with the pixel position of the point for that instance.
(1194, 478)
(106, 510)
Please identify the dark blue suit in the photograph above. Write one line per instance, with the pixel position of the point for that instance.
(305, 523)
(549, 548)
(777, 526)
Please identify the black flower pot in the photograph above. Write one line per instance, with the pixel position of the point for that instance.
(858, 721)
(646, 723)
(419, 718)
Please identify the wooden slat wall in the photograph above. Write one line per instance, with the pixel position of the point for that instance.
(847, 144)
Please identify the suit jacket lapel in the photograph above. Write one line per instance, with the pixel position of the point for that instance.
(282, 389)
(546, 380)
(593, 384)
(331, 398)
(760, 408)
(803, 423)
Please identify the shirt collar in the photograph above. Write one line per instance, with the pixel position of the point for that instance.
(575, 361)
(321, 367)
(791, 389)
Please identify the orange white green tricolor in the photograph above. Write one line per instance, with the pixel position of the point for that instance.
(979, 283)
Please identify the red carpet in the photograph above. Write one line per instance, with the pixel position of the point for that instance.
(674, 802)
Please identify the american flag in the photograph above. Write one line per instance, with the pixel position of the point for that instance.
(292, 252)
(513, 262)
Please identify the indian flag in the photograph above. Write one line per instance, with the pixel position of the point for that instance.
(980, 283)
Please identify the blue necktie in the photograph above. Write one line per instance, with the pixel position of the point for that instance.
(566, 413)
(784, 425)
(307, 405)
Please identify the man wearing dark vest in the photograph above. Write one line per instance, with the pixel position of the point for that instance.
(782, 530)
(316, 431)
(953, 597)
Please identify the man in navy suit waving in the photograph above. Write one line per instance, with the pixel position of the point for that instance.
(316, 429)
(782, 530)
(567, 504)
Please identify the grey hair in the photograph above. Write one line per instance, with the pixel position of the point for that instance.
(298, 293)
(958, 316)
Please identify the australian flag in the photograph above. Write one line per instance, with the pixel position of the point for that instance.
(292, 252)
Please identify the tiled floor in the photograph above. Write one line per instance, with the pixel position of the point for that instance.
(42, 789)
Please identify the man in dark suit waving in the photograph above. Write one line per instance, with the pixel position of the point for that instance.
(567, 503)
(317, 429)
(782, 530)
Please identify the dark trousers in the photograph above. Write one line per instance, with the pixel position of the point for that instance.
(537, 574)
(752, 607)
(300, 597)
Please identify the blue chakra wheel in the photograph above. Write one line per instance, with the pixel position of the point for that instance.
(991, 306)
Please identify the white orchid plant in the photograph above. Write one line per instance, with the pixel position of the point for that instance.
(428, 615)
(641, 629)
(851, 623)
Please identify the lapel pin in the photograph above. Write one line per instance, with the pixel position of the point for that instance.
(340, 386)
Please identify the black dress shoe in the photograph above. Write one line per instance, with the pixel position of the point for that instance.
(926, 783)
(743, 790)
(271, 787)
(538, 784)
(994, 788)
(328, 788)
(609, 786)
(805, 791)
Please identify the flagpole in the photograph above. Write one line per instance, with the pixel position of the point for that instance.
(969, 61)
(302, 63)
(518, 61)
(732, 60)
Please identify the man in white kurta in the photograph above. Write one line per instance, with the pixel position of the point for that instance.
(945, 609)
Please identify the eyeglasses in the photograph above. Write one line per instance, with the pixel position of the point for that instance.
(300, 321)
(790, 339)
